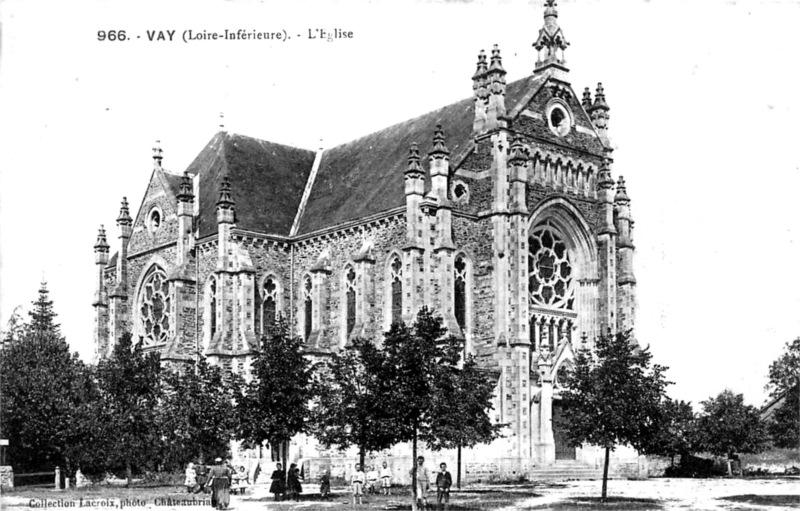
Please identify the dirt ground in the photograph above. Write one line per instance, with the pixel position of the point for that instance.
(652, 494)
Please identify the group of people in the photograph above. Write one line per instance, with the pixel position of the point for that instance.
(286, 483)
(358, 479)
(220, 479)
(444, 481)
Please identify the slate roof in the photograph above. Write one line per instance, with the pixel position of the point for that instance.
(365, 177)
(173, 181)
(354, 180)
(267, 182)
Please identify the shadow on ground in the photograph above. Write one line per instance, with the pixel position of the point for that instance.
(586, 503)
(791, 501)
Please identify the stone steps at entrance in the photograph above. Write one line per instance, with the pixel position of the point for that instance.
(565, 470)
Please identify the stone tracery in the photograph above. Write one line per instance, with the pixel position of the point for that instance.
(154, 307)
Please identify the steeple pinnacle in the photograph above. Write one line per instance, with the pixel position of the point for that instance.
(622, 195)
(586, 102)
(551, 39)
(225, 200)
(102, 243)
(439, 149)
(158, 155)
(599, 113)
(225, 203)
(124, 217)
(413, 160)
(479, 78)
(604, 179)
(186, 194)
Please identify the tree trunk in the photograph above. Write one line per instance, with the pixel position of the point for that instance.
(605, 475)
(128, 473)
(284, 447)
(458, 469)
(414, 472)
(361, 455)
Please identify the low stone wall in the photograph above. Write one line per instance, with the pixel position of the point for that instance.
(657, 465)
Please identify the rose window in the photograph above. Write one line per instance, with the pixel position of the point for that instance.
(154, 307)
(550, 270)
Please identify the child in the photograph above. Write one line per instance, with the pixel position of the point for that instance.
(325, 484)
(443, 483)
(386, 478)
(357, 480)
(372, 480)
(423, 482)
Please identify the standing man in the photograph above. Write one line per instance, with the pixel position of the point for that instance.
(443, 483)
(423, 482)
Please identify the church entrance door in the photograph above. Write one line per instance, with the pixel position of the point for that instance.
(563, 449)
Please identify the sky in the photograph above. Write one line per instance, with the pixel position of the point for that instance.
(704, 101)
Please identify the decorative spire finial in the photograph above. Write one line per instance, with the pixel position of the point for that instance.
(102, 243)
(225, 200)
(599, 111)
(496, 75)
(479, 78)
(124, 213)
(604, 179)
(586, 102)
(221, 121)
(158, 154)
(187, 193)
(551, 39)
(413, 160)
(600, 98)
(439, 149)
(622, 194)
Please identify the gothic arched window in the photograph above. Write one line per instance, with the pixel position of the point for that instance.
(154, 305)
(350, 295)
(550, 270)
(307, 307)
(269, 303)
(213, 307)
(396, 278)
(460, 292)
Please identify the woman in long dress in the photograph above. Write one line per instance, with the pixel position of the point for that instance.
(293, 488)
(278, 486)
(220, 480)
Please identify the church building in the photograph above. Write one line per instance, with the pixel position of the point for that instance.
(499, 212)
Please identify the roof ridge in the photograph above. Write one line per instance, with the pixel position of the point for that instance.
(301, 208)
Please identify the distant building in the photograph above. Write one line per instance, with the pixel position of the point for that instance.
(498, 211)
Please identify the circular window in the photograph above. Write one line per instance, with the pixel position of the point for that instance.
(154, 220)
(559, 120)
(460, 191)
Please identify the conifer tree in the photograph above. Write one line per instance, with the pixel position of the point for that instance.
(38, 381)
(43, 316)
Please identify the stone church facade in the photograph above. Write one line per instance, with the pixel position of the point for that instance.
(500, 212)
